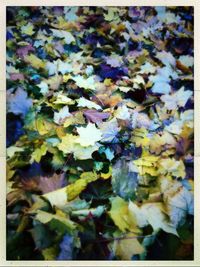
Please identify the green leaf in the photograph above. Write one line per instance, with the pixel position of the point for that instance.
(124, 182)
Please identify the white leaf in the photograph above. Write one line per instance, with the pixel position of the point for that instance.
(88, 135)
(152, 213)
(147, 68)
(61, 115)
(187, 61)
(122, 113)
(87, 83)
(69, 38)
(57, 198)
(51, 67)
(10, 151)
(166, 58)
(44, 89)
(109, 130)
(161, 88)
(63, 99)
(64, 67)
(83, 102)
(178, 99)
(178, 200)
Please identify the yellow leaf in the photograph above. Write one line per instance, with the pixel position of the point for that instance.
(9, 172)
(108, 82)
(23, 224)
(60, 132)
(84, 152)
(140, 138)
(147, 164)
(67, 143)
(66, 77)
(73, 190)
(28, 29)
(147, 161)
(89, 176)
(128, 247)
(43, 126)
(45, 217)
(49, 253)
(120, 215)
(75, 119)
(63, 99)
(171, 166)
(38, 153)
(34, 61)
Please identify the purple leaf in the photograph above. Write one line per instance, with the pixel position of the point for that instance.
(49, 184)
(95, 116)
(24, 50)
(16, 76)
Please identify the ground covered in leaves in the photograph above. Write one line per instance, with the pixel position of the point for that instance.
(99, 133)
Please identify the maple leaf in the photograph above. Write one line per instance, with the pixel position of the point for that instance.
(69, 38)
(122, 113)
(63, 99)
(95, 116)
(34, 61)
(18, 102)
(161, 80)
(109, 130)
(67, 143)
(28, 29)
(114, 60)
(82, 153)
(83, 102)
(73, 190)
(179, 200)
(128, 246)
(17, 76)
(172, 166)
(70, 13)
(178, 99)
(38, 153)
(44, 89)
(49, 184)
(87, 83)
(166, 58)
(124, 181)
(119, 213)
(66, 248)
(45, 217)
(187, 60)
(60, 116)
(24, 50)
(10, 151)
(152, 213)
(88, 135)
(64, 67)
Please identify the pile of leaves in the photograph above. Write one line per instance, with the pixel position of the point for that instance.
(100, 133)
